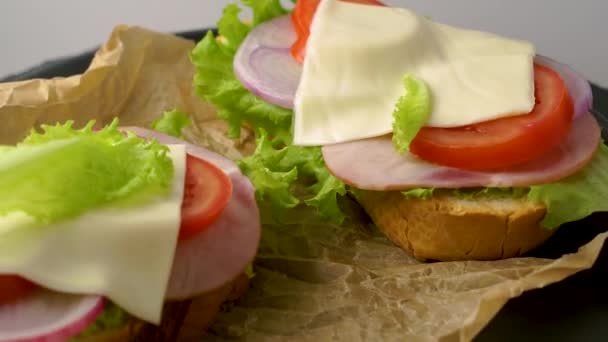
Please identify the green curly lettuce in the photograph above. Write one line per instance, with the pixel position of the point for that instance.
(171, 123)
(62, 172)
(284, 175)
(275, 170)
(411, 112)
(111, 318)
(216, 82)
(577, 196)
(264, 10)
(422, 193)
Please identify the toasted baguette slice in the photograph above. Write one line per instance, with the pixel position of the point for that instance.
(183, 321)
(447, 228)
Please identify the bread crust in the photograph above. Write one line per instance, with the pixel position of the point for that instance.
(449, 228)
(182, 321)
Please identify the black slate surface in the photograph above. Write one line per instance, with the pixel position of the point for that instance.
(575, 309)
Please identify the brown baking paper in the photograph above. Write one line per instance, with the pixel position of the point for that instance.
(314, 281)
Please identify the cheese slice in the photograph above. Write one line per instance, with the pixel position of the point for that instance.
(123, 254)
(357, 56)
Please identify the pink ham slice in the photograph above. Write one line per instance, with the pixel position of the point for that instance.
(373, 164)
(47, 316)
(220, 253)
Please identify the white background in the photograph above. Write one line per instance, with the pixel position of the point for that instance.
(31, 31)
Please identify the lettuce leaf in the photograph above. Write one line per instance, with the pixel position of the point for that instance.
(171, 123)
(567, 200)
(577, 196)
(277, 169)
(467, 193)
(215, 81)
(422, 193)
(275, 172)
(111, 318)
(411, 112)
(491, 192)
(264, 10)
(232, 30)
(63, 172)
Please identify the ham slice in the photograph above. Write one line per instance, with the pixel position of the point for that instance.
(223, 251)
(373, 164)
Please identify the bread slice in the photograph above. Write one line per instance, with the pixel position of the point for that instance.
(183, 321)
(447, 227)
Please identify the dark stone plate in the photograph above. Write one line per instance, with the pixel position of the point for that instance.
(575, 309)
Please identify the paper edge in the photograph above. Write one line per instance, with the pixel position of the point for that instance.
(494, 300)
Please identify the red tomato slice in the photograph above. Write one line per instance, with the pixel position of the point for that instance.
(14, 287)
(206, 193)
(503, 142)
(301, 18)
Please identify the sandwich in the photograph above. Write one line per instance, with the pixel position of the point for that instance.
(120, 233)
(458, 144)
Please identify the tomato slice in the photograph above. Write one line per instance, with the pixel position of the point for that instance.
(302, 16)
(207, 191)
(13, 287)
(503, 142)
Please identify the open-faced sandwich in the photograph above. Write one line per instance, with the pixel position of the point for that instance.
(459, 144)
(119, 233)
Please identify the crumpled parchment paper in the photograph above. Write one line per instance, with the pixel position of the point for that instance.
(314, 281)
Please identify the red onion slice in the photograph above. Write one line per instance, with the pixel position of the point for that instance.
(264, 64)
(578, 87)
(48, 316)
(219, 254)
